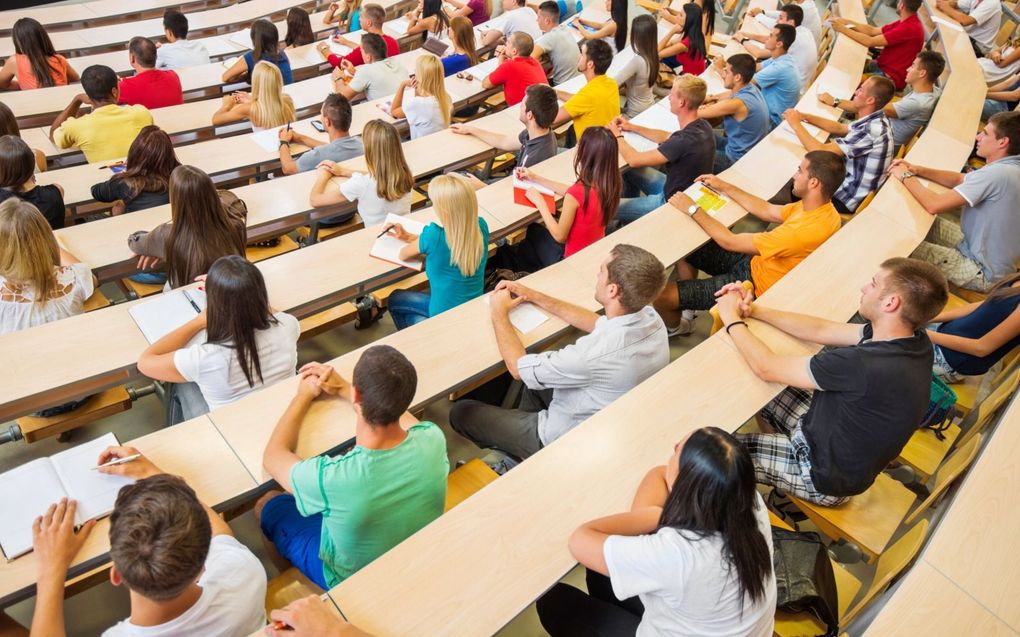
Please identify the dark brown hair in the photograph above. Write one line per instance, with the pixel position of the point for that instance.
(8, 122)
(17, 163)
(644, 39)
(159, 536)
(144, 51)
(596, 166)
(201, 231)
(386, 382)
(921, 285)
(265, 40)
(32, 41)
(150, 161)
(540, 100)
(1007, 125)
(639, 274)
(299, 28)
(238, 308)
(828, 168)
(464, 37)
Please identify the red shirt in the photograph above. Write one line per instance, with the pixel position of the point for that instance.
(587, 227)
(152, 89)
(355, 57)
(689, 63)
(516, 75)
(904, 40)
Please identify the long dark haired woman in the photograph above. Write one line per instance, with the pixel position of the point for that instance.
(615, 27)
(299, 28)
(247, 345)
(17, 179)
(265, 42)
(641, 72)
(145, 182)
(683, 49)
(35, 63)
(427, 18)
(693, 556)
(202, 229)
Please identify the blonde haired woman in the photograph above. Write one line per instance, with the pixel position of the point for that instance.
(267, 106)
(384, 189)
(429, 107)
(454, 250)
(39, 281)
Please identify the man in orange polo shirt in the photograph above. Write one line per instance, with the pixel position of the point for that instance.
(761, 257)
(517, 70)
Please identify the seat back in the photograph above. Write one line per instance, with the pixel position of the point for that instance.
(951, 469)
(890, 564)
(987, 408)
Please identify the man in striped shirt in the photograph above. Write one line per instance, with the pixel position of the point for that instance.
(867, 142)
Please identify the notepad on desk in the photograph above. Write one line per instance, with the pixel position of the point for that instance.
(166, 312)
(26, 492)
(811, 129)
(521, 187)
(709, 200)
(268, 140)
(525, 317)
(387, 247)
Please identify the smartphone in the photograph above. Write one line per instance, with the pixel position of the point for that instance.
(317, 125)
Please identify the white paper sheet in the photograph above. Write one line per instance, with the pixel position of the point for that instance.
(387, 247)
(166, 312)
(525, 317)
(95, 492)
(268, 140)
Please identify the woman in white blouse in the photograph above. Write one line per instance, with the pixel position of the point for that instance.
(428, 107)
(639, 74)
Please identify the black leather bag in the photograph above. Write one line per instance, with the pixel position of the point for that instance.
(804, 579)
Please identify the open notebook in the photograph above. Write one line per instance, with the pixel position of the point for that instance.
(387, 247)
(711, 201)
(166, 312)
(521, 187)
(26, 492)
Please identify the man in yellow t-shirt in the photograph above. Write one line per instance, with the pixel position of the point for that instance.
(761, 257)
(106, 132)
(598, 102)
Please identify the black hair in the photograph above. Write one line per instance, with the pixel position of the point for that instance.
(31, 40)
(338, 111)
(386, 382)
(176, 23)
(696, 45)
(618, 12)
(600, 54)
(787, 35)
(644, 39)
(743, 65)
(99, 82)
(551, 9)
(794, 13)
(540, 100)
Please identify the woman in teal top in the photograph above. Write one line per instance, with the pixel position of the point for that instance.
(455, 253)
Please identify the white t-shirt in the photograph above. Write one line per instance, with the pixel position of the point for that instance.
(232, 602)
(812, 20)
(378, 79)
(18, 309)
(217, 370)
(804, 52)
(686, 586)
(361, 187)
(523, 19)
(994, 73)
(424, 115)
(988, 14)
(181, 54)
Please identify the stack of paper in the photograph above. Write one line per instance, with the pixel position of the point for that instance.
(387, 247)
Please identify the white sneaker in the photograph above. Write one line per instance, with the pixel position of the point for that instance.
(684, 328)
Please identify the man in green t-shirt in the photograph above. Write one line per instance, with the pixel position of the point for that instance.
(341, 513)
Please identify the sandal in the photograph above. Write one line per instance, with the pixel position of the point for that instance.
(369, 311)
(266, 243)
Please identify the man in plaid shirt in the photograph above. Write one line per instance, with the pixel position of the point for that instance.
(867, 142)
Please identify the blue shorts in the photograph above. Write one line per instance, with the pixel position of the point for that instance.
(295, 536)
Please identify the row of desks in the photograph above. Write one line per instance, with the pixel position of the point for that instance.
(67, 16)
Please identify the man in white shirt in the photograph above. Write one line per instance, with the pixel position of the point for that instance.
(804, 49)
(556, 43)
(517, 17)
(378, 77)
(566, 386)
(186, 573)
(981, 20)
(179, 51)
(812, 21)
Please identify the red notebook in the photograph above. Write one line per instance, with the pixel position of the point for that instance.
(521, 197)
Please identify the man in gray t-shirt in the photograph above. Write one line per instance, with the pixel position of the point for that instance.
(557, 43)
(986, 245)
(335, 117)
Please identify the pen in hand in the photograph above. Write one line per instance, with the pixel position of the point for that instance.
(384, 230)
(117, 461)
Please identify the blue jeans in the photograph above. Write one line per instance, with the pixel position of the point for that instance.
(642, 193)
(871, 68)
(407, 307)
(722, 160)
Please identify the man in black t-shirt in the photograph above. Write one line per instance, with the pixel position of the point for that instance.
(872, 386)
(684, 155)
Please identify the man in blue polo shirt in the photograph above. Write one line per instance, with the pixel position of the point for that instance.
(777, 78)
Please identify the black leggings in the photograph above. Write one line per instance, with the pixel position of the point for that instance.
(568, 612)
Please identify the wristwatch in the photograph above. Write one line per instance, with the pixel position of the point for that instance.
(835, 102)
(694, 208)
(905, 174)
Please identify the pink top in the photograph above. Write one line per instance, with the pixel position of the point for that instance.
(27, 80)
(587, 227)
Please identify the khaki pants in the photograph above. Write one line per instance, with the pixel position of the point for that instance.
(940, 249)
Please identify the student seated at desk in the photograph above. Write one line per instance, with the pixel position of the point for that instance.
(761, 257)
(985, 246)
(342, 512)
(564, 387)
(866, 142)
(17, 181)
(874, 380)
(149, 86)
(299, 29)
(476, 11)
(335, 116)
(556, 43)
(613, 31)
(40, 282)
(204, 226)
(184, 570)
(908, 115)
(1002, 62)
(455, 251)
(812, 21)
(427, 18)
(267, 106)
(247, 345)
(517, 70)
(9, 126)
(693, 556)
(265, 40)
(463, 52)
(1001, 97)
(145, 182)
(706, 9)
(179, 52)
(338, 12)
(35, 63)
(640, 73)
(311, 617)
(427, 107)
(970, 340)
(899, 41)
(981, 20)
(598, 101)
(683, 154)
(803, 50)
(589, 205)
(777, 75)
(683, 49)
(378, 77)
(516, 17)
(108, 130)
(386, 187)
(742, 108)
(373, 17)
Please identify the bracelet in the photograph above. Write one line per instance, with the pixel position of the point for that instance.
(619, 137)
(734, 323)
(284, 143)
